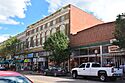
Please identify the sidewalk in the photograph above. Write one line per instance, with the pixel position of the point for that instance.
(30, 73)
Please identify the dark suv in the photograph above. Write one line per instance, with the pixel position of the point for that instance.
(55, 70)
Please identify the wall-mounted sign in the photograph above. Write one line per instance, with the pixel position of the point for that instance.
(113, 48)
(30, 55)
(27, 60)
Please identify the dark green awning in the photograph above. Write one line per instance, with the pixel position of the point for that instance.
(18, 61)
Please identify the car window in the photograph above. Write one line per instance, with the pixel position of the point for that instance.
(88, 65)
(96, 65)
(14, 79)
(82, 66)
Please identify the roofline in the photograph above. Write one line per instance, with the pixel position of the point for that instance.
(86, 12)
(92, 27)
(50, 15)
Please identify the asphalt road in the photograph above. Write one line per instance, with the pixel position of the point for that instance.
(51, 79)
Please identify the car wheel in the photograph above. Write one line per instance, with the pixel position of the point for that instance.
(102, 77)
(55, 74)
(74, 75)
(44, 73)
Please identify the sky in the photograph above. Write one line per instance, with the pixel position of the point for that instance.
(18, 14)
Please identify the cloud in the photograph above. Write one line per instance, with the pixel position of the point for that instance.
(9, 9)
(107, 10)
(4, 37)
(3, 28)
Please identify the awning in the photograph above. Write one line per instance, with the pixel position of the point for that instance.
(1, 62)
(18, 61)
(6, 62)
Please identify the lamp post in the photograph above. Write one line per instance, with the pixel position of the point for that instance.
(96, 51)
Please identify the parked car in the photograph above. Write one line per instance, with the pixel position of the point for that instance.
(3, 69)
(13, 77)
(94, 69)
(54, 70)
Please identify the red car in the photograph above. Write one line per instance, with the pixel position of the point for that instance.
(13, 77)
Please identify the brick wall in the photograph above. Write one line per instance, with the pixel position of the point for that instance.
(80, 20)
(99, 33)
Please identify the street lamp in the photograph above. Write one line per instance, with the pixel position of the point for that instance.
(96, 51)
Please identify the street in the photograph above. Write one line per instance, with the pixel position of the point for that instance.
(51, 79)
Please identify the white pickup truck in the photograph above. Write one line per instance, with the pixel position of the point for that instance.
(94, 69)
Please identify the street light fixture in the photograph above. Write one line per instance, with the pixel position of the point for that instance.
(96, 51)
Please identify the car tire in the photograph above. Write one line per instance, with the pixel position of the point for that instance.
(45, 73)
(55, 74)
(74, 75)
(103, 77)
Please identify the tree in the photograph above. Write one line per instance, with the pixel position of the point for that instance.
(57, 44)
(2, 51)
(120, 31)
(9, 47)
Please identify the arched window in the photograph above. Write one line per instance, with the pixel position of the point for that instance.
(43, 38)
(62, 28)
(53, 30)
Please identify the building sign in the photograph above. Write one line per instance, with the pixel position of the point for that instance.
(30, 55)
(41, 59)
(27, 60)
(113, 48)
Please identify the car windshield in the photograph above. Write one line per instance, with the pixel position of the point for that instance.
(53, 67)
(14, 79)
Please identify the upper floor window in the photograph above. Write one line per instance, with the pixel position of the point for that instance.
(57, 20)
(53, 30)
(37, 29)
(62, 18)
(62, 28)
(54, 22)
(41, 27)
(32, 32)
(51, 23)
(48, 24)
(66, 16)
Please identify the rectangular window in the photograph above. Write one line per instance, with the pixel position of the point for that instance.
(51, 23)
(27, 43)
(57, 20)
(83, 51)
(41, 27)
(66, 16)
(31, 42)
(46, 25)
(62, 18)
(37, 29)
(105, 49)
(32, 31)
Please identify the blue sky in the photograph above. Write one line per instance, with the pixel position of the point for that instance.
(18, 14)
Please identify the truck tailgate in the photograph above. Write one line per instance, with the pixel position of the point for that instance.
(118, 72)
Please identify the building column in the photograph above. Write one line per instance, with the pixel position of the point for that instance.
(101, 56)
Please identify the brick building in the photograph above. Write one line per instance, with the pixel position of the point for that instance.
(99, 38)
(68, 19)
